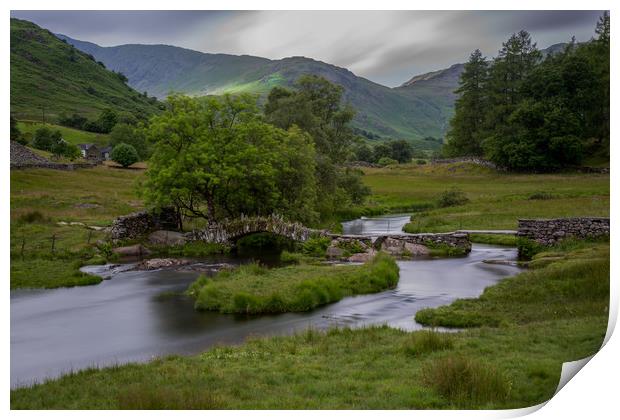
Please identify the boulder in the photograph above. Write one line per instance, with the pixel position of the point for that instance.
(167, 237)
(157, 263)
(393, 246)
(416, 250)
(131, 250)
(362, 257)
(334, 252)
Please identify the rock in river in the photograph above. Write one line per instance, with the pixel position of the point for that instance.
(167, 237)
(157, 263)
(131, 250)
(362, 257)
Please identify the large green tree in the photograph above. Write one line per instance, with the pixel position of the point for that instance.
(526, 113)
(464, 137)
(315, 106)
(215, 158)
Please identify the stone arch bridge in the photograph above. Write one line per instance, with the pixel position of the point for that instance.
(228, 232)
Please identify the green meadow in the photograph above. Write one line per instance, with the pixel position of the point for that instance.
(496, 199)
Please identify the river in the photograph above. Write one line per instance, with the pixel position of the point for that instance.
(126, 318)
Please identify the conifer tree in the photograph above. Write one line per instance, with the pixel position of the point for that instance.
(465, 134)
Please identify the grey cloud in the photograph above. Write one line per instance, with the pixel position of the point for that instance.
(387, 47)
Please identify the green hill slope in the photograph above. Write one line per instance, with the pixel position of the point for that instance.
(420, 108)
(161, 69)
(49, 77)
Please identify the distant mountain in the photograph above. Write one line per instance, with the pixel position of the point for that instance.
(49, 77)
(161, 69)
(416, 110)
(437, 87)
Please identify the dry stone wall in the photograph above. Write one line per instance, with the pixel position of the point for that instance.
(24, 158)
(143, 222)
(550, 231)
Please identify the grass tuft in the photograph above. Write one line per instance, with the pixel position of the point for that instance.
(32, 217)
(466, 381)
(428, 341)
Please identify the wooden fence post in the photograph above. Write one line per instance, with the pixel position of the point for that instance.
(53, 243)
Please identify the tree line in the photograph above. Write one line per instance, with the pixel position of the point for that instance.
(526, 112)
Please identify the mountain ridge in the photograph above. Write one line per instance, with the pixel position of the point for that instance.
(161, 69)
(418, 109)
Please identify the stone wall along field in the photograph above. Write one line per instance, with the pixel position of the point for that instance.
(550, 231)
(24, 158)
(143, 222)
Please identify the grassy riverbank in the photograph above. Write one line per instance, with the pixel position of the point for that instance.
(567, 281)
(254, 289)
(516, 363)
(47, 254)
(496, 199)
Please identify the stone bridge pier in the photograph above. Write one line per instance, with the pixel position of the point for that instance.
(361, 248)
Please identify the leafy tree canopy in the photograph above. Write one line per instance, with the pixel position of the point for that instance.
(124, 154)
(215, 158)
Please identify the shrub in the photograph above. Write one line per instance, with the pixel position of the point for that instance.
(452, 197)
(62, 148)
(45, 139)
(290, 257)
(352, 247)
(541, 195)
(75, 121)
(427, 341)
(420, 161)
(124, 154)
(385, 161)
(316, 247)
(128, 134)
(32, 217)
(467, 382)
(528, 248)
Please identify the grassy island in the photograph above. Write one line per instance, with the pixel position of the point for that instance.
(253, 289)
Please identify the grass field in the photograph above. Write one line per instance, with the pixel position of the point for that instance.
(496, 200)
(40, 198)
(96, 196)
(253, 289)
(71, 135)
(516, 364)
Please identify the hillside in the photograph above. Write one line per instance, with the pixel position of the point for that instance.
(49, 77)
(437, 88)
(161, 69)
(419, 108)
(70, 135)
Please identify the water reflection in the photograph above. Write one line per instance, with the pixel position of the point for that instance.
(376, 225)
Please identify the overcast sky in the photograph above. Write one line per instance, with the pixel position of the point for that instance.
(387, 47)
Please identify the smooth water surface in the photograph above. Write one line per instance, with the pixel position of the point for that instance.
(126, 318)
